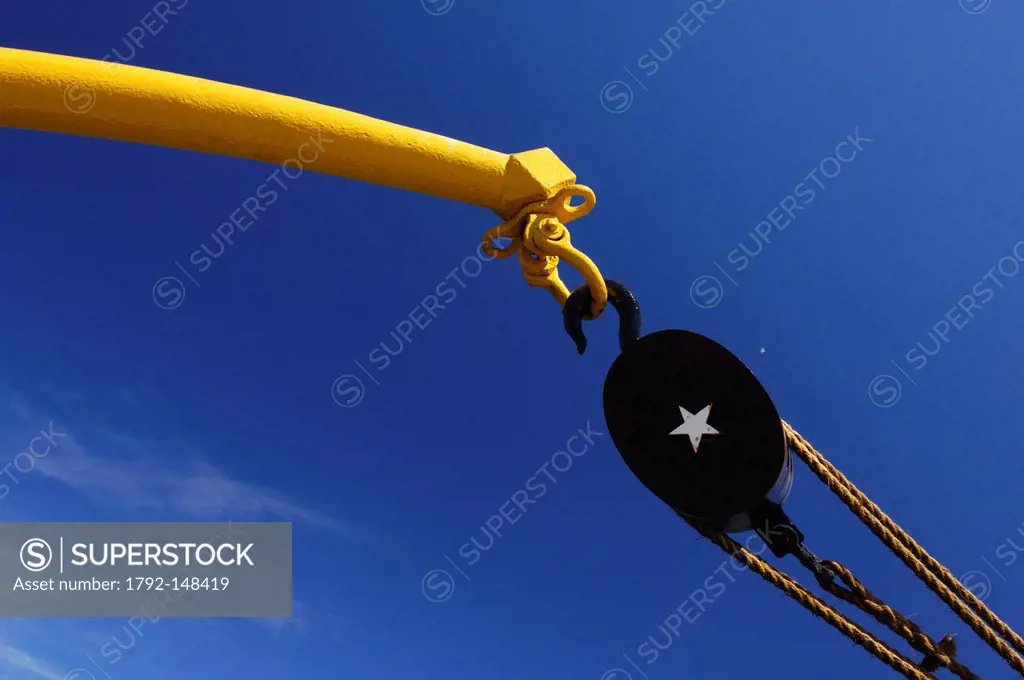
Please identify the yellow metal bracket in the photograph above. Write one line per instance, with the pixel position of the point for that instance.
(532, 191)
(538, 235)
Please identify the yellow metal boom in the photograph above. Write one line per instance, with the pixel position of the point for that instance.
(532, 191)
(102, 99)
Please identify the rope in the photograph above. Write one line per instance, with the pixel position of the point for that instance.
(815, 605)
(936, 654)
(982, 620)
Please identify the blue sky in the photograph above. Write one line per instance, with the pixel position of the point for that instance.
(697, 134)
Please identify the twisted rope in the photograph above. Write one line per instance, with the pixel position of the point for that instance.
(936, 654)
(982, 620)
(813, 604)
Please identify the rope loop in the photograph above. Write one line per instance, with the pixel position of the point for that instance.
(943, 657)
(936, 654)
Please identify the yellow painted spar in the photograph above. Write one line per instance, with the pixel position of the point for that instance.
(57, 93)
(533, 191)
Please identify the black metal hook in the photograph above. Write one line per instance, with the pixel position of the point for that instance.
(577, 310)
(776, 529)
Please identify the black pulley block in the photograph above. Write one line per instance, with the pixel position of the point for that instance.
(697, 428)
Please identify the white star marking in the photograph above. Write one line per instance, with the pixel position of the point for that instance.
(695, 426)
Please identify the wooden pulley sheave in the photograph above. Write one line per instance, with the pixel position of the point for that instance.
(698, 429)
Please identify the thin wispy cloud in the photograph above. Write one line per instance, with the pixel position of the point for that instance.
(133, 474)
(199, 491)
(19, 659)
(276, 626)
(19, 410)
